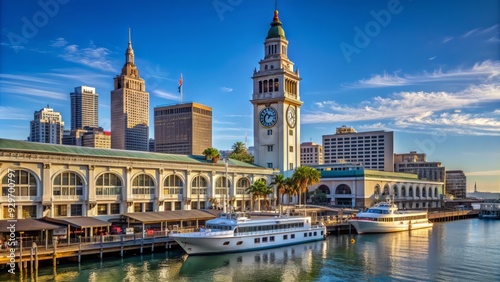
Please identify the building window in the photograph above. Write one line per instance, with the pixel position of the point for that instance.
(108, 184)
(290, 166)
(67, 183)
(143, 184)
(137, 207)
(221, 185)
(199, 185)
(290, 149)
(242, 185)
(290, 132)
(102, 209)
(276, 85)
(115, 208)
(28, 212)
(25, 184)
(76, 210)
(269, 148)
(61, 210)
(149, 207)
(271, 84)
(269, 132)
(173, 185)
(269, 165)
(260, 86)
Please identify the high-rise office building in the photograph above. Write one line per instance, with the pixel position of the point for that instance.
(311, 154)
(456, 184)
(417, 164)
(129, 108)
(46, 127)
(373, 149)
(84, 107)
(183, 128)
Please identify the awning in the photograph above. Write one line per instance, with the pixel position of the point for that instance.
(79, 222)
(179, 215)
(27, 224)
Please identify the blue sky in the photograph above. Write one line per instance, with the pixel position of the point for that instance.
(427, 70)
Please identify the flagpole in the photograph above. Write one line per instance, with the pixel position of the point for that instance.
(182, 90)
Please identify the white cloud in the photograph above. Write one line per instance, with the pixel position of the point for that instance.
(92, 56)
(59, 42)
(226, 89)
(419, 110)
(13, 113)
(166, 95)
(484, 173)
(485, 70)
(447, 39)
(494, 28)
(30, 86)
(470, 32)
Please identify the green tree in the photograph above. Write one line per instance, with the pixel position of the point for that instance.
(305, 176)
(259, 189)
(211, 153)
(240, 153)
(279, 182)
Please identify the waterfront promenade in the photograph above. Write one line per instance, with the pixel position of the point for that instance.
(140, 242)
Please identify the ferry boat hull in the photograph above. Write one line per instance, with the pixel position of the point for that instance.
(238, 233)
(370, 226)
(209, 243)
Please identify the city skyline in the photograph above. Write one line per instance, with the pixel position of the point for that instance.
(370, 65)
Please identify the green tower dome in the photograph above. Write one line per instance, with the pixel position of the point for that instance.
(276, 31)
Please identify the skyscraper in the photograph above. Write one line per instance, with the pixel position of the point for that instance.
(183, 128)
(129, 107)
(46, 127)
(84, 107)
(276, 104)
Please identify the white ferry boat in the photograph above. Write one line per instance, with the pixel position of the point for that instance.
(489, 211)
(385, 217)
(236, 232)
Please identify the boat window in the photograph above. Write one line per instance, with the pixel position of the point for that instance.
(256, 240)
(271, 239)
(292, 236)
(264, 239)
(305, 234)
(239, 243)
(315, 233)
(226, 243)
(285, 237)
(310, 234)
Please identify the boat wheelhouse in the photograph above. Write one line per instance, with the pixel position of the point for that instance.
(386, 217)
(489, 211)
(237, 232)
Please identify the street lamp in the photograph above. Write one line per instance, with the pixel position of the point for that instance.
(226, 162)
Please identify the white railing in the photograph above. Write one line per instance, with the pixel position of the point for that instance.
(109, 197)
(68, 197)
(22, 198)
(142, 196)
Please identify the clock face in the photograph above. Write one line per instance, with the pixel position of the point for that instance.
(268, 117)
(291, 116)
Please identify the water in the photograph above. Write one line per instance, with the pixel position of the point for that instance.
(465, 250)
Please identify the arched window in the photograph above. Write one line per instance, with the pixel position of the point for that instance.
(376, 192)
(173, 185)
(67, 183)
(395, 191)
(199, 185)
(403, 191)
(260, 86)
(242, 185)
(265, 86)
(276, 85)
(435, 192)
(324, 189)
(270, 85)
(386, 190)
(417, 192)
(410, 192)
(343, 189)
(265, 67)
(22, 184)
(143, 184)
(108, 184)
(222, 185)
(424, 194)
(430, 192)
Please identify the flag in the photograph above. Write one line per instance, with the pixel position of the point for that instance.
(180, 84)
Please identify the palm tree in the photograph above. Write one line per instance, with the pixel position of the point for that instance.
(239, 147)
(279, 182)
(211, 153)
(306, 176)
(213, 201)
(291, 188)
(258, 189)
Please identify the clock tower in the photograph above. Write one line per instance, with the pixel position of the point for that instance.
(276, 105)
